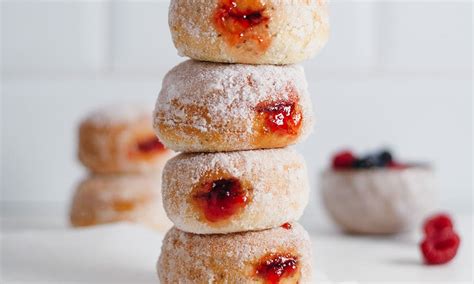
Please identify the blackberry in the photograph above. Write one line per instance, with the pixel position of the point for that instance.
(384, 158)
(366, 162)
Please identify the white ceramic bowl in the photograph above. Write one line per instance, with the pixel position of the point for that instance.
(379, 200)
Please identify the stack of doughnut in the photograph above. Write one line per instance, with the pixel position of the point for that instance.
(124, 159)
(236, 191)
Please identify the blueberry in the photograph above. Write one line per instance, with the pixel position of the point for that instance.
(384, 158)
(366, 162)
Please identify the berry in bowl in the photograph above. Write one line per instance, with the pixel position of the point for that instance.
(376, 194)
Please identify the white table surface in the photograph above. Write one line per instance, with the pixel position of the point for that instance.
(127, 253)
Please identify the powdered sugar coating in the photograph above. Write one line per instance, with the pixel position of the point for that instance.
(297, 30)
(378, 201)
(108, 139)
(118, 114)
(230, 258)
(112, 198)
(208, 107)
(277, 180)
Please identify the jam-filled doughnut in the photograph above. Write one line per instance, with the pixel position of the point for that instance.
(104, 199)
(206, 193)
(120, 139)
(249, 31)
(278, 255)
(213, 107)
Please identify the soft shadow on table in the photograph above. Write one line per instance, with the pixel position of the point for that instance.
(405, 261)
(332, 231)
(119, 253)
(74, 270)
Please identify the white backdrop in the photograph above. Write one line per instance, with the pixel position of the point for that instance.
(394, 73)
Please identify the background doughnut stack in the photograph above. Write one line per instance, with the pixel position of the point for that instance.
(125, 160)
(236, 192)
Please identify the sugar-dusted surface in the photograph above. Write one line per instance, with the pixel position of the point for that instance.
(379, 201)
(111, 115)
(297, 30)
(276, 179)
(206, 106)
(113, 198)
(108, 139)
(230, 258)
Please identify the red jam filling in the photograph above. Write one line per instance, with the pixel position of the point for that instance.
(286, 226)
(150, 145)
(276, 267)
(281, 117)
(221, 199)
(239, 21)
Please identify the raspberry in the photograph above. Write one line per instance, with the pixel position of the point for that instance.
(440, 247)
(437, 223)
(343, 160)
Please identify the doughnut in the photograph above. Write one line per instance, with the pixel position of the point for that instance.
(208, 193)
(249, 31)
(214, 107)
(105, 199)
(120, 139)
(278, 255)
(378, 200)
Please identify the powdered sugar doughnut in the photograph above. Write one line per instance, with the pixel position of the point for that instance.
(278, 255)
(380, 200)
(112, 198)
(251, 32)
(210, 193)
(120, 139)
(213, 107)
